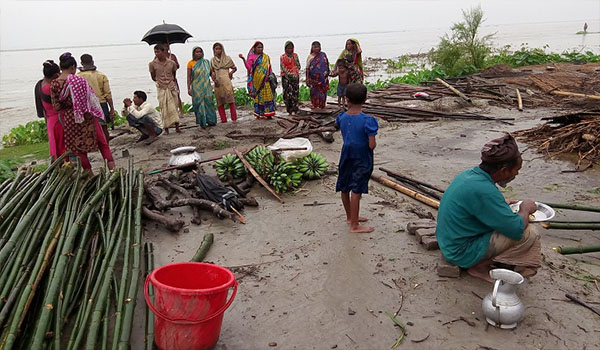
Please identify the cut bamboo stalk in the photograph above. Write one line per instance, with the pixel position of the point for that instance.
(135, 271)
(574, 207)
(257, 176)
(56, 281)
(207, 242)
(577, 250)
(519, 101)
(393, 173)
(149, 339)
(555, 226)
(413, 194)
(574, 94)
(460, 94)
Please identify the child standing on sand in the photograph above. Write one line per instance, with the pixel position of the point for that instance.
(341, 71)
(356, 161)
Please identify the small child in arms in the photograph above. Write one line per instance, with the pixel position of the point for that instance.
(341, 71)
(356, 161)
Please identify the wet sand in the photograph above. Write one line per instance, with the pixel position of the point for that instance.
(303, 271)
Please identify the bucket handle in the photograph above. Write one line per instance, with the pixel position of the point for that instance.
(184, 321)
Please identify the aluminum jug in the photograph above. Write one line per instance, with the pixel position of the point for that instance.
(502, 307)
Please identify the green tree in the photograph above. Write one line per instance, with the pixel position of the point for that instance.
(464, 51)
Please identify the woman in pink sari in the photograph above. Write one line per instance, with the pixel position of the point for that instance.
(43, 104)
(78, 110)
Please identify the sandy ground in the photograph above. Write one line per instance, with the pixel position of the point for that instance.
(312, 285)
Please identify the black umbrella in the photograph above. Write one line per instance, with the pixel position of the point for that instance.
(166, 33)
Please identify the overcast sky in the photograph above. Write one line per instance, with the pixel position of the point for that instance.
(45, 24)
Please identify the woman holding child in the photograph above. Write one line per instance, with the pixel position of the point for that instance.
(317, 75)
(352, 56)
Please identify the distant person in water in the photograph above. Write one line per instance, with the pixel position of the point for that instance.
(221, 71)
(99, 82)
(341, 71)
(78, 110)
(43, 104)
(143, 116)
(317, 75)
(585, 27)
(163, 71)
(258, 65)
(290, 77)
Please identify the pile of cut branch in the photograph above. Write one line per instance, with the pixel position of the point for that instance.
(182, 190)
(573, 133)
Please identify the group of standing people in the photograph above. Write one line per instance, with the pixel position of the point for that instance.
(348, 67)
(75, 116)
(200, 71)
(261, 82)
(79, 107)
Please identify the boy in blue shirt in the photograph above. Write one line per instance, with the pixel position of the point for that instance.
(356, 160)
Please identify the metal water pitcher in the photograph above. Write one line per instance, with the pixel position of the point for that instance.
(502, 307)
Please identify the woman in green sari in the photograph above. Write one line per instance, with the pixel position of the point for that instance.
(200, 88)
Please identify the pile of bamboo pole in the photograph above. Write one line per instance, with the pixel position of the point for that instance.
(62, 234)
(394, 113)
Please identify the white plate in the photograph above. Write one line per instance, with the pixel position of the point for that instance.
(543, 213)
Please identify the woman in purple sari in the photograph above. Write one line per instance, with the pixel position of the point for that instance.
(317, 75)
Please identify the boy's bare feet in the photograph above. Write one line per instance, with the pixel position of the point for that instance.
(360, 219)
(361, 229)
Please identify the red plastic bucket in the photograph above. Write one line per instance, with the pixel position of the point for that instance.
(189, 302)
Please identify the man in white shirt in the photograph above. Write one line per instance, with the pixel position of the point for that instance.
(143, 116)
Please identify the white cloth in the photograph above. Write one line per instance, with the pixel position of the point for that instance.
(144, 109)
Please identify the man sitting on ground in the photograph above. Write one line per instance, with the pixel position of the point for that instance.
(476, 227)
(143, 116)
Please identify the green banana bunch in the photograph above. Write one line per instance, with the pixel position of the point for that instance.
(284, 177)
(230, 165)
(261, 159)
(312, 166)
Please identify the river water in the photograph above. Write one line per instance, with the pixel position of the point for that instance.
(384, 28)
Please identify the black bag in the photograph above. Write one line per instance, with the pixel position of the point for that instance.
(213, 191)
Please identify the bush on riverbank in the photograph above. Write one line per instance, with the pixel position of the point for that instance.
(28, 134)
(527, 56)
(464, 51)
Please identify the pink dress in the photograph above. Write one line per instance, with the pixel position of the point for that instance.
(56, 141)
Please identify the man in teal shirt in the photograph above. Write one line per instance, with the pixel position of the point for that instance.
(476, 226)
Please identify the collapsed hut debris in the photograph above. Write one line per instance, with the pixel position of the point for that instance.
(569, 133)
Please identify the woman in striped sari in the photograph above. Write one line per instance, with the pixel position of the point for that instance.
(317, 75)
(259, 68)
(200, 88)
